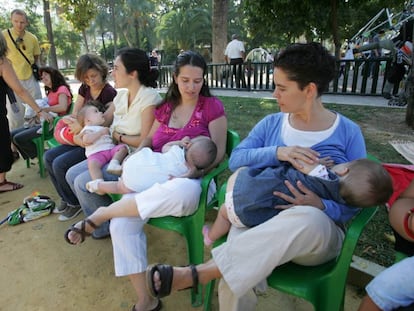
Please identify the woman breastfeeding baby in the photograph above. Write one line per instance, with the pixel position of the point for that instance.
(188, 109)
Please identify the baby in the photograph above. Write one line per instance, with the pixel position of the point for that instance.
(142, 169)
(250, 198)
(99, 147)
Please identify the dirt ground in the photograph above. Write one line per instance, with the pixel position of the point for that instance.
(41, 272)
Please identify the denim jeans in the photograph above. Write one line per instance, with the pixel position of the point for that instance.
(22, 138)
(394, 286)
(57, 162)
(77, 177)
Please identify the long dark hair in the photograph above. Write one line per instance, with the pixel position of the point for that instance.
(56, 78)
(186, 58)
(137, 59)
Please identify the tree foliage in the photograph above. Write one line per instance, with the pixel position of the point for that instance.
(280, 22)
(79, 13)
(185, 29)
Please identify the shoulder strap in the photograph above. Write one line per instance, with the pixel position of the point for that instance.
(17, 47)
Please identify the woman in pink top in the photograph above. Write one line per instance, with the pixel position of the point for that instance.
(59, 98)
(188, 110)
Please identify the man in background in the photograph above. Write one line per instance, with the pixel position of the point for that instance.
(18, 38)
(234, 55)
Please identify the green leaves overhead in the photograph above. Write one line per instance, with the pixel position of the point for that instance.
(79, 13)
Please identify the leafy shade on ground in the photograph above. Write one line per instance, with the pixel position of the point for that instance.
(379, 125)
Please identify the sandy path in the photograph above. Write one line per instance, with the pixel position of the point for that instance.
(40, 271)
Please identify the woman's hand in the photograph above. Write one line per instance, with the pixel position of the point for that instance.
(300, 196)
(294, 153)
(116, 137)
(45, 116)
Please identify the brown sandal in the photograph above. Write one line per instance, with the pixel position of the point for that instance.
(14, 186)
(83, 233)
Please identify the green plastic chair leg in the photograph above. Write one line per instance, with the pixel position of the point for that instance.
(38, 141)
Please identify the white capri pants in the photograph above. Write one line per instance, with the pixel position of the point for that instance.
(302, 234)
(176, 197)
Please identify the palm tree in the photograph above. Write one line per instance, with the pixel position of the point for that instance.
(220, 13)
(185, 29)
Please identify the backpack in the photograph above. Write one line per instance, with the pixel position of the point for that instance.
(33, 207)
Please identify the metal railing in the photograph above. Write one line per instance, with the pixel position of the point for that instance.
(357, 77)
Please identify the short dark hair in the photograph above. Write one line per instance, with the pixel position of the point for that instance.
(307, 63)
(91, 61)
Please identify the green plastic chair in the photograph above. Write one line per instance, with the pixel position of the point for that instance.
(323, 285)
(47, 134)
(191, 226)
(46, 137)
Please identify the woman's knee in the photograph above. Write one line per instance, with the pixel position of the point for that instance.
(77, 180)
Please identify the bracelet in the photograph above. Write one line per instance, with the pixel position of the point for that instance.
(39, 111)
(407, 229)
(120, 138)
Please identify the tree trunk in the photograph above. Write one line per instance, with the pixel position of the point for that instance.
(48, 23)
(219, 22)
(334, 27)
(85, 39)
(114, 33)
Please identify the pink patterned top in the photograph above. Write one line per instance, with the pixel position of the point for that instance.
(207, 109)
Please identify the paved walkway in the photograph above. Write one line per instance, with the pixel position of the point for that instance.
(358, 100)
(376, 101)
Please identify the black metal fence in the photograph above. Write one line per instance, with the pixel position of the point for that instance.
(355, 77)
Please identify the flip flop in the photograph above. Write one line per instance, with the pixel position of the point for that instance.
(15, 186)
(83, 233)
(158, 307)
(166, 273)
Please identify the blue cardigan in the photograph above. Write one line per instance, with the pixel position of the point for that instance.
(258, 150)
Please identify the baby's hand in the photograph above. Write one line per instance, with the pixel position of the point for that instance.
(185, 141)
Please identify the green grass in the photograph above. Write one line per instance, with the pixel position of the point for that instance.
(244, 113)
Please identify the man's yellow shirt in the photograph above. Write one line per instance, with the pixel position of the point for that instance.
(30, 47)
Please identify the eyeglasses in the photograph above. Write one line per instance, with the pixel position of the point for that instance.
(19, 42)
